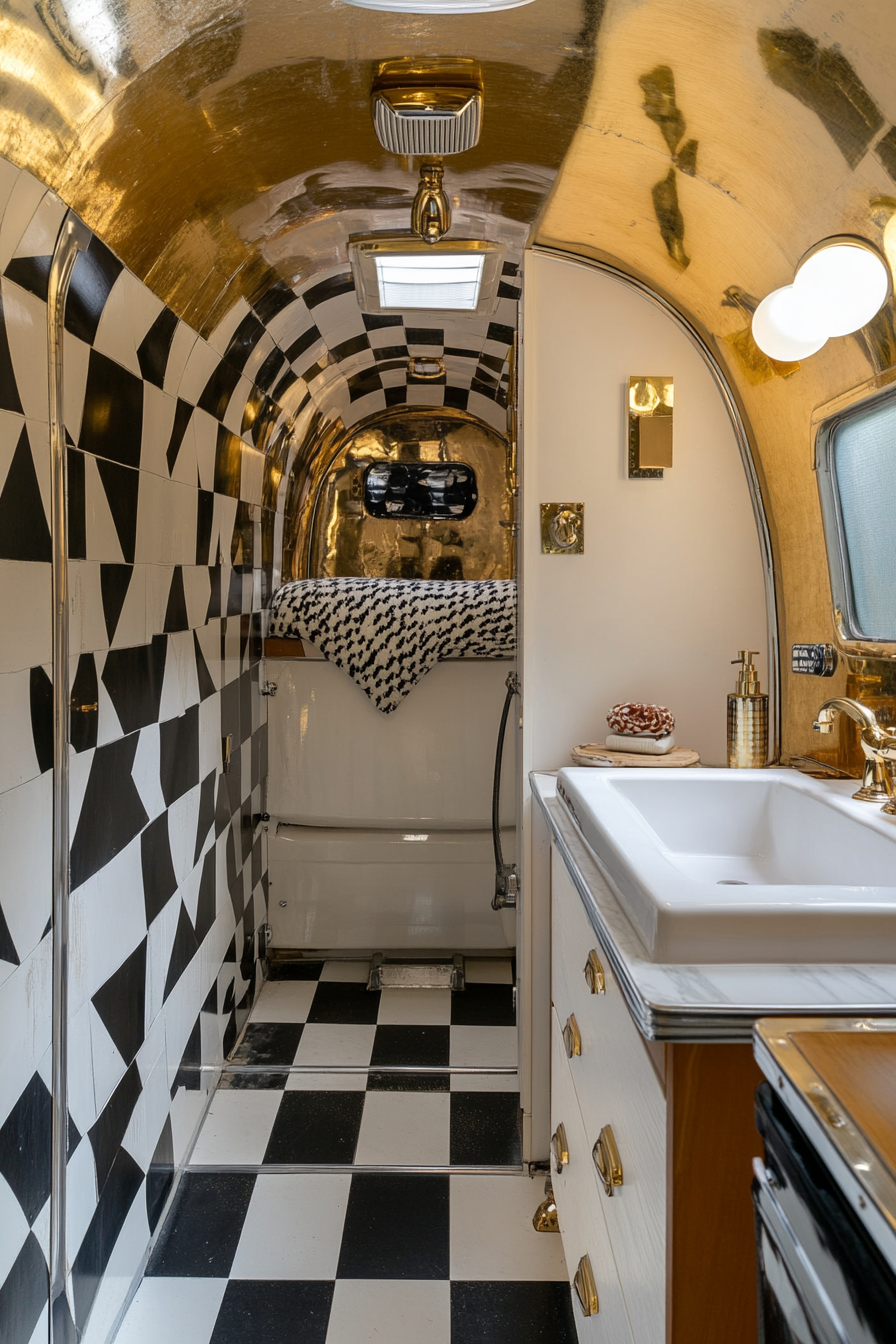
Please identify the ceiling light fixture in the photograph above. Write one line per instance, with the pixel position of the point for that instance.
(839, 286)
(399, 272)
(439, 6)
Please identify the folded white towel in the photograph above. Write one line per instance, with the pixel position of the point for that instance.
(642, 745)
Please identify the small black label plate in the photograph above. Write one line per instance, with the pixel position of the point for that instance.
(814, 660)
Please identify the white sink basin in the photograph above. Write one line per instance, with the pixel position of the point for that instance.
(742, 865)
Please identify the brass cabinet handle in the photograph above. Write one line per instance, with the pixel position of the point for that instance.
(606, 1159)
(572, 1037)
(594, 974)
(586, 1288)
(560, 1147)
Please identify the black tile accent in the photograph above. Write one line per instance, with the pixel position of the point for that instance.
(396, 352)
(484, 390)
(408, 1082)
(354, 344)
(24, 1294)
(457, 397)
(189, 1070)
(8, 951)
(206, 812)
(114, 583)
(219, 389)
(94, 274)
(214, 596)
(159, 881)
(243, 341)
(335, 1001)
(396, 1227)
(885, 149)
(111, 813)
(274, 300)
(267, 374)
(498, 332)
(228, 459)
(77, 506)
(485, 1128)
(176, 610)
(242, 540)
(154, 349)
(32, 273)
(121, 1003)
(316, 1127)
(460, 353)
(179, 755)
(424, 336)
(483, 1006)
(203, 1228)
(295, 970)
(183, 951)
(24, 532)
(222, 807)
(41, 695)
(160, 1177)
(182, 413)
(207, 902)
(112, 422)
(510, 268)
(270, 1310)
(9, 390)
(205, 516)
(395, 396)
(410, 1045)
(121, 1189)
(505, 1312)
(133, 677)
(493, 362)
(269, 1043)
(285, 384)
(376, 321)
(84, 705)
(204, 677)
(361, 384)
(329, 289)
(246, 693)
(25, 1148)
(107, 1132)
(122, 485)
(506, 291)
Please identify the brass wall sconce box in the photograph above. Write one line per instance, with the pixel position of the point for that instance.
(562, 529)
(650, 405)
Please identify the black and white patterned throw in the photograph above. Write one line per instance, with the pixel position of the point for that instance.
(388, 633)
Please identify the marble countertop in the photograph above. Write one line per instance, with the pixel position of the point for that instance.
(704, 1002)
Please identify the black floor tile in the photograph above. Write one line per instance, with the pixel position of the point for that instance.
(203, 1229)
(485, 1129)
(411, 1045)
(335, 1001)
(249, 1082)
(408, 1082)
(268, 1043)
(316, 1127)
(295, 970)
(483, 1006)
(511, 1313)
(396, 1227)
(277, 1311)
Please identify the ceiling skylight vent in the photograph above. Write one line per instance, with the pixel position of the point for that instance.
(402, 273)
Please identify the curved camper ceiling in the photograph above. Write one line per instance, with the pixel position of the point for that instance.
(226, 153)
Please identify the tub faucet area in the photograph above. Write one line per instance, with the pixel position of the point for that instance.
(878, 744)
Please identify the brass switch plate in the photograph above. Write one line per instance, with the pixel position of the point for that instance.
(562, 529)
(650, 419)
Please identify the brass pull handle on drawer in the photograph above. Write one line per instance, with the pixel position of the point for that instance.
(560, 1147)
(586, 1288)
(572, 1037)
(594, 974)
(606, 1159)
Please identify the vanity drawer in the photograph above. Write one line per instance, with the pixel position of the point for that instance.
(582, 1225)
(616, 1084)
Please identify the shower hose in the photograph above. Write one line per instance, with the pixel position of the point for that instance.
(506, 874)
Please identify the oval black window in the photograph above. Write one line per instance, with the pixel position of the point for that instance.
(420, 490)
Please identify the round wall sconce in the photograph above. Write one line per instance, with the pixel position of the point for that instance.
(840, 285)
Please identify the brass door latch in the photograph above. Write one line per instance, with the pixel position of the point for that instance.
(607, 1160)
(594, 974)
(586, 1288)
(572, 1037)
(560, 1147)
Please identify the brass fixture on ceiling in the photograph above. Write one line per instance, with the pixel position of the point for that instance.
(431, 211)
(425, 108)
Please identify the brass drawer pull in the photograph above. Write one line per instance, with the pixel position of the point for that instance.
(572, 1037)
(606, 1159)
(594, 974)
(586, 1288)
(560, 1147)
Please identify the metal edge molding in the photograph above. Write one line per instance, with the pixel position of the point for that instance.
(746, 453)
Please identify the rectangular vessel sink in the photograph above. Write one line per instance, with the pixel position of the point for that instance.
(741, 865)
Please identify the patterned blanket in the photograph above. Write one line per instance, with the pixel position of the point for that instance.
(388, 633)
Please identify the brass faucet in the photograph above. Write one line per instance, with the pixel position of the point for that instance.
(879, 746)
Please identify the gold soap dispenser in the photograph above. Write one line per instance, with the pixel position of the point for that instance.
(747, 717)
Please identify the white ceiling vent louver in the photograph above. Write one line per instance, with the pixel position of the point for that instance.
(427, 121)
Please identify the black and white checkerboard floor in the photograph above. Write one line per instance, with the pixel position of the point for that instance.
(260, 1244)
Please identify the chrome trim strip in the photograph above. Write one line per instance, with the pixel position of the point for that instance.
(746, 453)
(362, 1168)
(73, 237)
(363, 1068)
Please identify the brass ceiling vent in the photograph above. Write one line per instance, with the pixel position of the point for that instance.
(426, 110)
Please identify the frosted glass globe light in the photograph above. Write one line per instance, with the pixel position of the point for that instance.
(842, 285)
(784, 330)
(438, 6)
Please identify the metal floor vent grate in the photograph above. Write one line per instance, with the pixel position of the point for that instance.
(416, 974)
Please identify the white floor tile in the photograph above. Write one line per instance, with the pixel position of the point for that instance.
(415, 1007)
(346, 970)
(293, 1229)
(284, 1001)
(488, 971)
(405, 1128)
(494, 1046)
(237, 1127)
(326, 1043)
(485, 1082)
(492, 1236)
(327, 1082)
(373, 1311)
(163, 1308)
